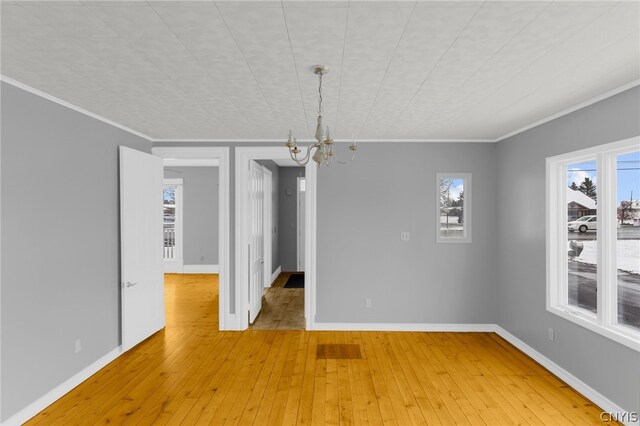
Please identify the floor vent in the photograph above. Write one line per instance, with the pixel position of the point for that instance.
(338, 351)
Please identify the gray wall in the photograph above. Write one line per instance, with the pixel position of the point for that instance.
(200, 206)
(288, 217)
(275, 227)
(362, 208)
(609, 367)
(385, 177)
(60, 243)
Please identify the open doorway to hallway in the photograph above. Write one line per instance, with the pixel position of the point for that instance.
(282, 293)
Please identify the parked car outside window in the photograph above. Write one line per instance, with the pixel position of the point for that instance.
(584, 224)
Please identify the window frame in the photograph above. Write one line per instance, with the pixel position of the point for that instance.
(466, 208)
(605, 322)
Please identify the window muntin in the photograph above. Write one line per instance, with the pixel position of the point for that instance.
(616, 305)
(453, 207)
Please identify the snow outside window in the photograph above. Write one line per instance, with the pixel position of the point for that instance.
(453, 207)
(593, 239)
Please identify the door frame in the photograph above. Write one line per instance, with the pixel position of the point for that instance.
(243, 156)
(299, 259)
(212, 157)
(268, 230)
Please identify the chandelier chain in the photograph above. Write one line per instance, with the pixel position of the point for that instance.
(320, 95)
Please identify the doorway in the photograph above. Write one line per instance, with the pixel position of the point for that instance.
(214, 259)
(281, 296)
(247, 290)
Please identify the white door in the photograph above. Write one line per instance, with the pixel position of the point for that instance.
(142, 293)
(268, 225)
(300, 237)
(256, 239)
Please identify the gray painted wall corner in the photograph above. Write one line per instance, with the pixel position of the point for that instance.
(607, 366)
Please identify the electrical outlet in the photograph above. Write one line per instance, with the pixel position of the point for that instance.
(367, 303)
(405, 236)
(201, 258)
(551, 334)
(78, 346)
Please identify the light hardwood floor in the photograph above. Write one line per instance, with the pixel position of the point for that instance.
(282, 308)
(190, 373)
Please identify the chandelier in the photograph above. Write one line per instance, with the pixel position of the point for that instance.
(324, 148)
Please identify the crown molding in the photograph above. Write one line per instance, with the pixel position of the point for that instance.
(283, 140)
(81, 110)
(71, 106)
(574, 108)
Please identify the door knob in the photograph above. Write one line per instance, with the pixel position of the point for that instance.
(130, 284)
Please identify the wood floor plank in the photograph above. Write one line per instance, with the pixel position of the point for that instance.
(345, 392)
(191, 374)
(274, 415)
(385, 399)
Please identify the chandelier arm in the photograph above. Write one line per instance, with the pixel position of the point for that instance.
(346, 163)
(353, 157)
(304, 160)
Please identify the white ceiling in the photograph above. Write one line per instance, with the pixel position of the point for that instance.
(399, 70)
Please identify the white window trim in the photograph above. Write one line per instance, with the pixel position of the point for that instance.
(466, 208)
(605, 322)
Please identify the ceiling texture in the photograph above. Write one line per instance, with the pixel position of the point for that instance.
(232, 70)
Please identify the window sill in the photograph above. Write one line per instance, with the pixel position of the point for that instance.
(620, 334)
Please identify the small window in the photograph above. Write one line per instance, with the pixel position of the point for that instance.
(172, 219)
(453, 208)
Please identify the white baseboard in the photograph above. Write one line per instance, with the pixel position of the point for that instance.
(232, 323)
(201, 269)
(578, 385)
(59, 391)
(275, 275)
(326, 326)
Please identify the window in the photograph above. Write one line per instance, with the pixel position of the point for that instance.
(172, 220)
(453, 208)
(593, 239)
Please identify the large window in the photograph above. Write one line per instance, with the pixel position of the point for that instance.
(593, 239)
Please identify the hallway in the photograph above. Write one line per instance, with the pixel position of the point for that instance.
(282, 308)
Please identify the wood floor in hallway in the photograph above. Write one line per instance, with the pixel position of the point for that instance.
(282, 308)
(190, 373)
